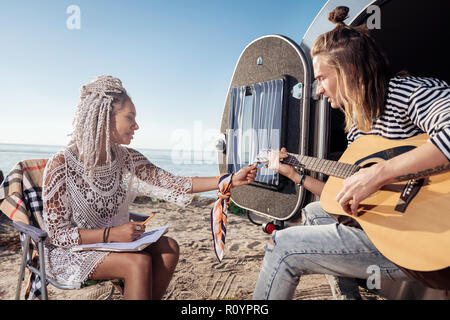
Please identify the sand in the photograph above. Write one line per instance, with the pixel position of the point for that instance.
(198, 275)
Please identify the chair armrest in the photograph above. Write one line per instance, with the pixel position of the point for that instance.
(135, 216)
(36, 234)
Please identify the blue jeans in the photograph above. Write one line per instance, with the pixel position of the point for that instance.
(320, 245)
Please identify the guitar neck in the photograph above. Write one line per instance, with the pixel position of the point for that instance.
(328, 167)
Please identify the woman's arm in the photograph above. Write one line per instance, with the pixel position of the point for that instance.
(423, 161)
(156, 182)
(244, 176)
(203, 184)
(124, 233)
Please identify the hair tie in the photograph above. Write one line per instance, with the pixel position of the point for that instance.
(101, 85)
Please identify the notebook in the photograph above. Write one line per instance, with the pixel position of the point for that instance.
(139, 244)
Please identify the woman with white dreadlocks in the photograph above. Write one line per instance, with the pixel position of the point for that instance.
(89, 185)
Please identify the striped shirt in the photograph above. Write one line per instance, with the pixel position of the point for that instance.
(413, 106)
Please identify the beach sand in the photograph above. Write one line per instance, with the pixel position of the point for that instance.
(198, 275)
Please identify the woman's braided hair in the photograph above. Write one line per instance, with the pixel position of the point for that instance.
(91, 126)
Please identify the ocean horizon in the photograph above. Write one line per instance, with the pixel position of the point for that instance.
(201, 163)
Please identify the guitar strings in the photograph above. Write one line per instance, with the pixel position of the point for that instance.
(328, 167)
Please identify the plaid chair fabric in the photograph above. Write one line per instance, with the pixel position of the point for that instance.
(21, 200)
(21, 191)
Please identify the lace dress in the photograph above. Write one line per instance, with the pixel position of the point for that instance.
(73, 201)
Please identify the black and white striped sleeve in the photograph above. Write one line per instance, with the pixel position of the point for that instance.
(429, 109)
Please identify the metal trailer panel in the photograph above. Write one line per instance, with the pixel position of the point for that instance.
(281, 57)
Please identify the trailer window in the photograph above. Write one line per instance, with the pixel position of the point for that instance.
(254, 124)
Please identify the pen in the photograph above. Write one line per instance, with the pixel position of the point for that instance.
(146, 220)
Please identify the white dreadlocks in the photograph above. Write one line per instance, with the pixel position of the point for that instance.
(92, 119)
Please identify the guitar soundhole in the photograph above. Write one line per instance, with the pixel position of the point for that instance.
(368, 164)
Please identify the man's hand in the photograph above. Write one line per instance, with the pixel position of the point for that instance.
(275, 164)
(359, 187)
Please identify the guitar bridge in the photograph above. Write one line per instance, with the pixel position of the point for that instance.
(409, 192)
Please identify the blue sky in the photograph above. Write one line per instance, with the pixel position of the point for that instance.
(176, 59)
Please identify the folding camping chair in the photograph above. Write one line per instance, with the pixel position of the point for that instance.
(21, 201)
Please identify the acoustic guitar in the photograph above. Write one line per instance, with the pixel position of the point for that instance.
(408, 222)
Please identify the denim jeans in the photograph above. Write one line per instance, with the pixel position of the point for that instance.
(320, 245)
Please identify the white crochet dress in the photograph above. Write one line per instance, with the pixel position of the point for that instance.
(73, 201)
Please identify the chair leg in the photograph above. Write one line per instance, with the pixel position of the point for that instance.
(42, 269)
(25, 249)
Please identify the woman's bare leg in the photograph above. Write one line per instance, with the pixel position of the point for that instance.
(165, 254)
(146, 274)
(135, 269)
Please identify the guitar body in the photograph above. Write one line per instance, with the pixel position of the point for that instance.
(417, 239)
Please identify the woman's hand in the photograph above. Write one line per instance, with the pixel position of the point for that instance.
(126, 232)
(244, 176)
(275, 164)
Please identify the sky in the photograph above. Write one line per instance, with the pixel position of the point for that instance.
(175, 58)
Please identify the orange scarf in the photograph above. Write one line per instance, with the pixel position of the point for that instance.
(219, 214)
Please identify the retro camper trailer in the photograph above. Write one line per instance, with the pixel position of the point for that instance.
(271, 103)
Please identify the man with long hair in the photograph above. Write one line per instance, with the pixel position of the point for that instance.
(353, 74)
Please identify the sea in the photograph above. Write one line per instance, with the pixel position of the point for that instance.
(179, 162)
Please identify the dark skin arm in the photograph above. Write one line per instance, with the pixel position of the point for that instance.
(127, 232)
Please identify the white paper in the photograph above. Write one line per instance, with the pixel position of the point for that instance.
(144, 240)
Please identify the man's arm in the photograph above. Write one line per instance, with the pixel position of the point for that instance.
(311, 184)
(423, 161)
